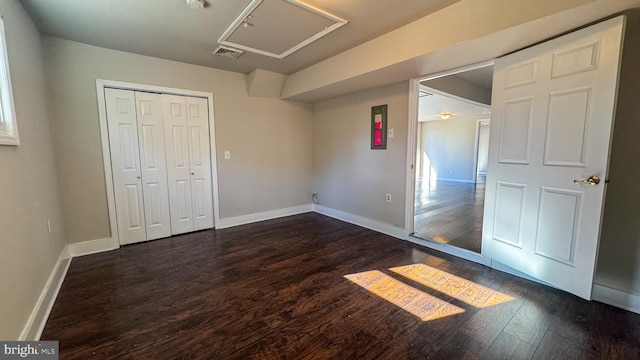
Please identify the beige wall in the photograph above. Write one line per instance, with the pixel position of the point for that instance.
(269, 139)
(351, 177)
(619, 255)
(28, 189)
(448, 148)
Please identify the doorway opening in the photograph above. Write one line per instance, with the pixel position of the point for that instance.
(452, 144)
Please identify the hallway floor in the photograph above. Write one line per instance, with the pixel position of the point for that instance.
(450, 213)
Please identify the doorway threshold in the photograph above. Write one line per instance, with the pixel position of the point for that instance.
(451, 250)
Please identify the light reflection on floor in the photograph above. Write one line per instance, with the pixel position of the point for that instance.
(416, 302)
(423, 305)
(454, 286)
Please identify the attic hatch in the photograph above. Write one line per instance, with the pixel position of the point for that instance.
(278, 28)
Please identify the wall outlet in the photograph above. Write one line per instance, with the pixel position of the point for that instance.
(49, 226)
(227, 155)
(388, 197)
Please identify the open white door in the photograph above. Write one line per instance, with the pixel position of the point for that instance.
(552, 116)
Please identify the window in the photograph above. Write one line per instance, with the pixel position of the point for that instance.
(8, 127)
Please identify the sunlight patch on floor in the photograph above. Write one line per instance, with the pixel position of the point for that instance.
(454, 286)
(416, 302)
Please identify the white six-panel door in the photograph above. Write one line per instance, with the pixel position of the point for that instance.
(200, 162)
(153, 165)
(125, 164)
(552, 114)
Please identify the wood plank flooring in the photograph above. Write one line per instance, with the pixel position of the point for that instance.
(450, 213)
(276, 290)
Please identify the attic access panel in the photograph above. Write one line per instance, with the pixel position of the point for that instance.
(278, 28)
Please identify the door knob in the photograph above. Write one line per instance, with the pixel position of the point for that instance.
(591, 180)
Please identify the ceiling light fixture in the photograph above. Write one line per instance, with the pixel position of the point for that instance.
(195, 4)
(445, 116)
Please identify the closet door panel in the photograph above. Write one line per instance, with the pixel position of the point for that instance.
(153, 164)
(178, 163)
(200, 162)
(125, 165)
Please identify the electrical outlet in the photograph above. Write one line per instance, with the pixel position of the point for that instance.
(49, 226)
(388, 197)
(227, 155)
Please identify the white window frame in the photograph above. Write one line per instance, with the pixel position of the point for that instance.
(8, 125)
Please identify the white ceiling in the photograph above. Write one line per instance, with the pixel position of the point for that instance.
(431, 107)
(170, 30)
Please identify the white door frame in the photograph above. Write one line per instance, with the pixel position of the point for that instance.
(106, 153)
(414, 87)
(476, 153)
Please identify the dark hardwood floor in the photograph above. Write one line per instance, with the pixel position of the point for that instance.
(276, 290)
(450, 213)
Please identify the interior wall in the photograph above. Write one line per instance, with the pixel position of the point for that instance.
(28, 189)
(449, 148)
(269, 139)
(351, 177)
(619, 254)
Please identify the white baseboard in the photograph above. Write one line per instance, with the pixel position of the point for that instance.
(261, 216)
(93, 247)
(360, 221)
(40, 313)
(451, 250)
(466, 181)
(617, 298)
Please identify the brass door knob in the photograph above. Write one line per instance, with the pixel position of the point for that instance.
(591, 180)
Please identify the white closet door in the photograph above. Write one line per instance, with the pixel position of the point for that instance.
(125, 165)
(153, 165)
(200, 162)
(178, 165)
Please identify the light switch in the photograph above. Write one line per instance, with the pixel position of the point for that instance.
(390, 133)
(227, 155)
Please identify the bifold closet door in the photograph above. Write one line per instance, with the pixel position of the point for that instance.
(136, 141)
(186, 122)
(200, 162)
(153, 165)
(125, 165)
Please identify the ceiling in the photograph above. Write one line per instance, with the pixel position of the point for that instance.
(432, 106)
(168, 29)
(481, 76)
